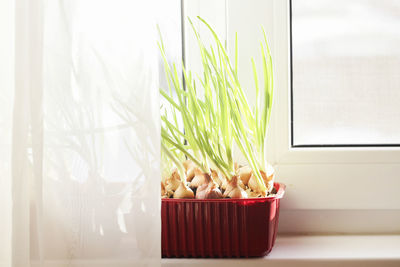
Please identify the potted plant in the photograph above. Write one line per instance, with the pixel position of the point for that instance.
(211, 205)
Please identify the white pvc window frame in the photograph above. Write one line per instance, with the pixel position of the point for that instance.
(329, 189)
(285, 152)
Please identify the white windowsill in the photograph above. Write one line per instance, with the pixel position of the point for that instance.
(347, 250)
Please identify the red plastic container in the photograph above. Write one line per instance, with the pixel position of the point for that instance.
(220, 227)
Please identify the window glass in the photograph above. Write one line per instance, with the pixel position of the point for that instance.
(346, 72)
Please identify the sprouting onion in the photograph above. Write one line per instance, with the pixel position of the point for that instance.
(250, 128)
(215, 113)
(206, 120)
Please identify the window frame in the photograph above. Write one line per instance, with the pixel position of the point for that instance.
(323, 183)
(286, 151)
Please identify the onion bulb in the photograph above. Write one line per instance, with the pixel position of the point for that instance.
(241, 184)
(216, 177)
(233, 190)
(252, 194)
(163, 191)
(173, 181)
(244, 174)
(255, 186)
(183, 191)
(224, 183)
(187, 164)
(199, 179)
(190, 168)
(208, 191)
(268, 177)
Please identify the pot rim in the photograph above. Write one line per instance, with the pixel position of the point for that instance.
(279, 194)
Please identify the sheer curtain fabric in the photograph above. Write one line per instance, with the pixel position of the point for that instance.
(79, 136)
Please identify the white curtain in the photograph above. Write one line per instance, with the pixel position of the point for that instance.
(79, 133)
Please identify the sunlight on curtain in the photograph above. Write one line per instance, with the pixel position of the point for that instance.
(101, 154)
(80, 155)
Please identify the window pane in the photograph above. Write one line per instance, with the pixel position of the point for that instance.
(346, 72)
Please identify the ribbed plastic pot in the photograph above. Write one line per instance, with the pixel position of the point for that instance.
(220, 228)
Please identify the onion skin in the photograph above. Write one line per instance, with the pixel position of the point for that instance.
(224, 184)
(208, 191)
(209, 186)
(163, 191)
(190, 174)
(268, 180)
(241, 184)
(190, 169)
(233, 190)
(216, 177)
(268, 177)
(252, 194)
(183, 191)
(237, 192)
(244, 173)
(172, 183)
(199, 179)
(255, 187)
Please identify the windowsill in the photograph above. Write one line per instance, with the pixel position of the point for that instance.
(346, 250)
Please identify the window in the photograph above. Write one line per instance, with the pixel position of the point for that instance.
(330, 188)
(345, 72)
